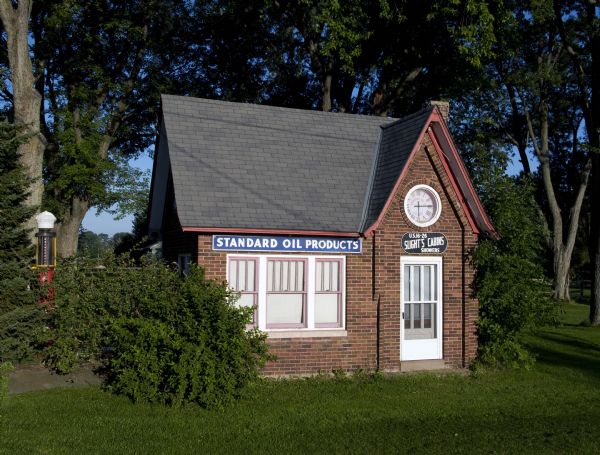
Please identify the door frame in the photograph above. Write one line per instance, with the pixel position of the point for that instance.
(423, 349)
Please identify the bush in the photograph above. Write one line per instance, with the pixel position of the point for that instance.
(513, 293)
(160, 337)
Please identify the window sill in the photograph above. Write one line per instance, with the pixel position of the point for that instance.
(303, 333)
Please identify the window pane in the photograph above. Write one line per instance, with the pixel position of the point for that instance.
(319, 276)
(285, 309)
(246, 300)
(250, 277)
(241, 275)
(233, 265)
(278, 271)
(300, 276)
(326, 308)
(407, 315)
(335, 275)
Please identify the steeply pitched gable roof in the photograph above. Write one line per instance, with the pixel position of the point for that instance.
(398, 140)
(253, 166)
(260, 168)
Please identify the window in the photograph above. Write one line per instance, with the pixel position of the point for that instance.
(286, 293)
(242, 279)
(301, 294)
(183, 263)
(328, 293)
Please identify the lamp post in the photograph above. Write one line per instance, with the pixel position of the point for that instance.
(45, 259)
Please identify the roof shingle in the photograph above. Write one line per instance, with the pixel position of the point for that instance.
(262, 167)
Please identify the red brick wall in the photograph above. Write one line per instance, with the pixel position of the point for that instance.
(359, 348)
(427, 169)
(311, 355)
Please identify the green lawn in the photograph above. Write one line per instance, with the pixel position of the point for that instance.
(554, 408)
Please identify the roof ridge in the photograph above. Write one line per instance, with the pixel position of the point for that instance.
(425, 110)
(370, 183)
(374, 118)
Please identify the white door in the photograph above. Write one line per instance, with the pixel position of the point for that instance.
(421, 306)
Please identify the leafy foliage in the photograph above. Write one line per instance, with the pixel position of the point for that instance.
(506, 312)
(20, 318)
(161, 337)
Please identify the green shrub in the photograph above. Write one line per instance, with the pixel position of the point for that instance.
(161, 337)
(513, 293)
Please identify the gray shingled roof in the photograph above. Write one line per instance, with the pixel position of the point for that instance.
(397, 141)
(262, 167)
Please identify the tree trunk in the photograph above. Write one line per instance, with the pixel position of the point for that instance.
(26, 99)
(562, 264)
(67, 231)
(562, 250)
(326, 88)
(595, 143)
(595, 297)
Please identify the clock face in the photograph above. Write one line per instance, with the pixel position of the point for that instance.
(422, 205)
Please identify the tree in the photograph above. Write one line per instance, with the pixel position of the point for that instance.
(516, 256)
(19, 314)
(534, 98)
(25, 97)
(93, 245)
(371, 57)
(98, 68)
(579, 29)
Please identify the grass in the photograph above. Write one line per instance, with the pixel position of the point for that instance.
(553, 408)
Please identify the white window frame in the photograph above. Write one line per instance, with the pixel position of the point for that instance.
(310, 329)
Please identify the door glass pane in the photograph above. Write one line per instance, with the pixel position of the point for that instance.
(420, 301)
(407, 283)
(416, 283)
(426, 282)
(434, 282)
(427, 315)
(417, 315)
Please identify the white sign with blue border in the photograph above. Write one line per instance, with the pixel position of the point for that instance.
(286, 244)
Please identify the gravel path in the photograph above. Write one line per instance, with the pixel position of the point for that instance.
(26, 378)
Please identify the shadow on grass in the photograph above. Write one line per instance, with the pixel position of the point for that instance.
(567, 351)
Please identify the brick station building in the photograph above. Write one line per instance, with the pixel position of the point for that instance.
(348, 234)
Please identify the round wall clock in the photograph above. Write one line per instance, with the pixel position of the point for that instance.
(422, 205)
